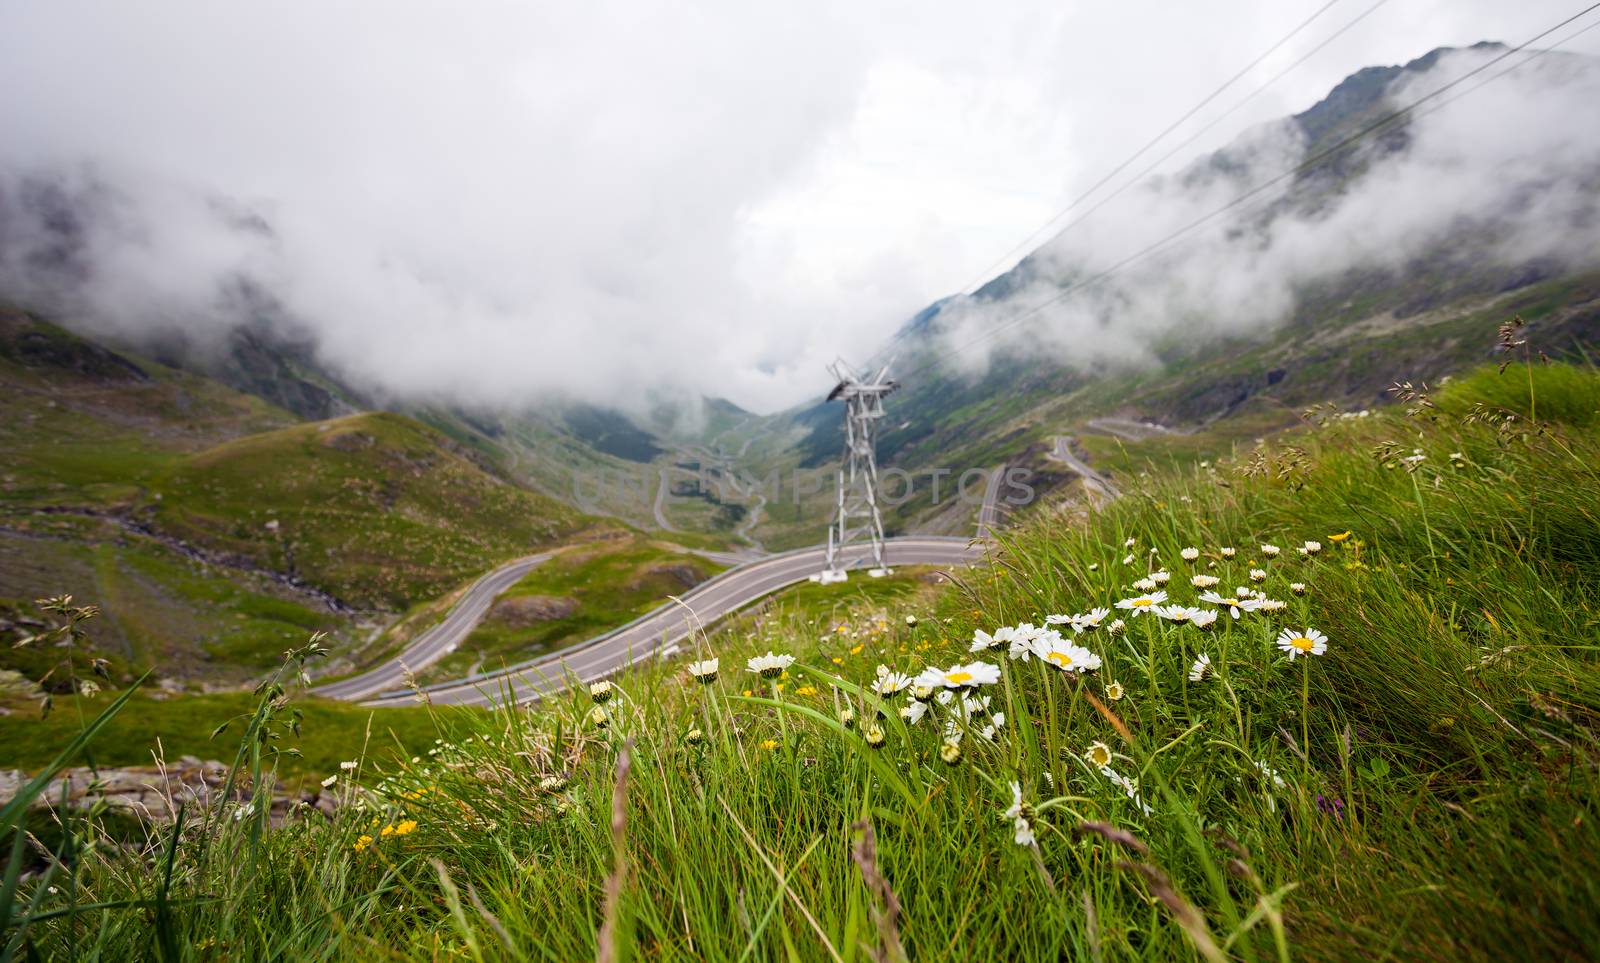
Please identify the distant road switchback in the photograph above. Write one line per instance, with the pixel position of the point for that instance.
(657, 632)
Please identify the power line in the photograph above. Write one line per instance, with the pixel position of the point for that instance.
(1137, 178)
(1025, 242)
(1022, 245)
(1271, 182)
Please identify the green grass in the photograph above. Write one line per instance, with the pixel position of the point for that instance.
(612, 581)
(376, 509)
(1438, 764)
(166, 612)
(182, 725)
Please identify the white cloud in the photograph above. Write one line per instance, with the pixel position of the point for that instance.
(496, 200)
(1514, 162)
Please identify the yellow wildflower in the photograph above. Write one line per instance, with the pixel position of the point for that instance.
(362, 842)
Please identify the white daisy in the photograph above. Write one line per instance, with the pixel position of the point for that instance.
(1098, 754)
(1161, 578)
(1203, 618)
(1308, 642)
(1114, 691)
(1258, 575)
(1117, 627)
(1128, 787)
(769, 666)
(960, 676)
(1233, 606)
(1202, 669)
(1129, 543)
(1270, 550)
(1140, 604)
(1019, 643)
(1278, 782)
(1066, 656)
(912, 712)
(1228, 552)
(983, 641)
(705, 671)
(330, 780)
(1179, 613)
(601, 691)
(1127, 560)
(1145, 585)
(1298, 588)
(1203, 581)
(1089, 620)
(1310, 548)
(1190, 554)
(891, 683)
(1271, 605)
(1021, 816)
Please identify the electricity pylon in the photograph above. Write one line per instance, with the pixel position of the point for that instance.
(856, 517)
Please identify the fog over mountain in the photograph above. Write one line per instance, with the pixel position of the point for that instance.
(1504, 177)
(612, 201)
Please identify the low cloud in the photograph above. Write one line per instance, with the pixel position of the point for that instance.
(494, 203)
(1506, 175)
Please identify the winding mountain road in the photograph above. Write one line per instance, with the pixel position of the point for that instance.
(440, 640)
(1129, 430)
(1092, 480)
(660, 630)
(989, 511)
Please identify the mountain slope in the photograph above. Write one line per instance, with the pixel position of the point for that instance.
(376, 509)
(1328, 287)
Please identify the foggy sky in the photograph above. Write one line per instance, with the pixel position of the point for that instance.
(490, 202)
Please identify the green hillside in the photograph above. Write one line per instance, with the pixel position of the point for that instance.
(378, 510)
(1421, 782)
(589, 589)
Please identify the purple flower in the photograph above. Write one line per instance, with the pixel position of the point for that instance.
(1330, 807)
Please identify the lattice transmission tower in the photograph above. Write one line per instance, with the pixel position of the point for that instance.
(856, 519)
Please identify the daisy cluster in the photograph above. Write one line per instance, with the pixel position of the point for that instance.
(1187, 595)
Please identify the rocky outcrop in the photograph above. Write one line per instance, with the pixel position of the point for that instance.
(525, 610)
(154, 793)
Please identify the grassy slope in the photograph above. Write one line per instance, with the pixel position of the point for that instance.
(85, 432)
(331, 732)
(376, 509)
(165, 611)
(612, 580)
(1452, 717)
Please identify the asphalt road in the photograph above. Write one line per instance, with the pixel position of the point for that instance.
(1092, 480)
(438, 641)
(989, 511)
(1129, 430)
(661, 630)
